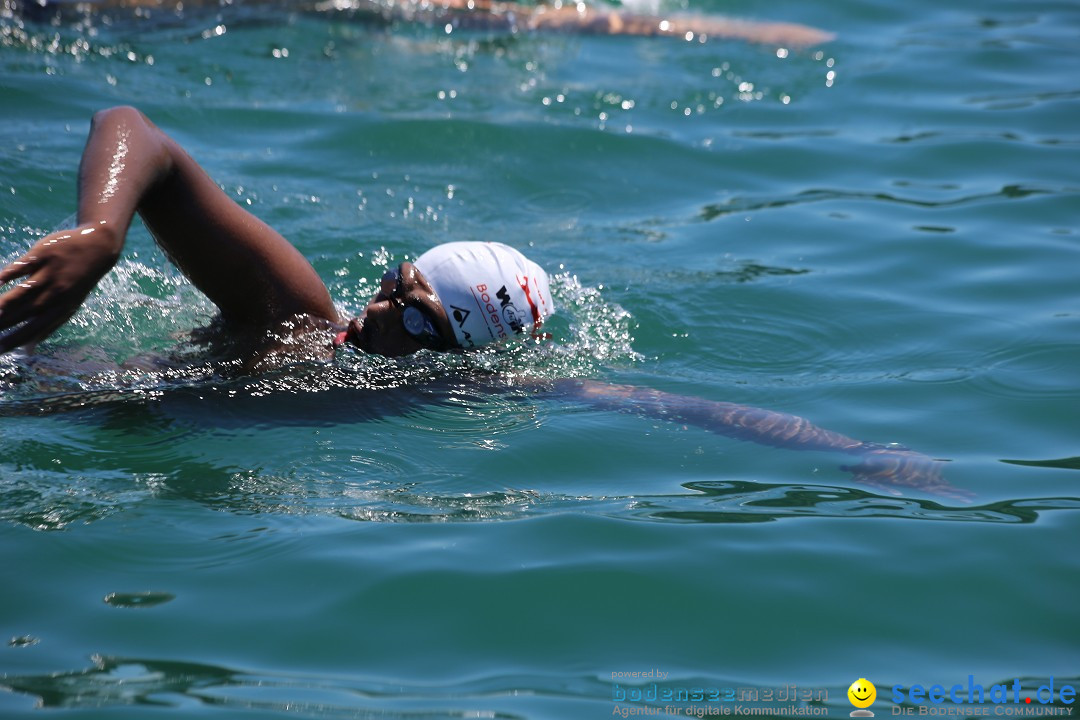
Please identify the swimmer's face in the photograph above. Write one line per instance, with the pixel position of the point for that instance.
(862, 693)
(381, 329)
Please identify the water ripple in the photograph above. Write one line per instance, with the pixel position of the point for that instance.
(1025, 372)
(1017, 101)
(739, 204)
(115, 682)
(119, 681)
(748, 502)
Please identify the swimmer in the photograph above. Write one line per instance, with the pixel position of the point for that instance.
(557, 16)
(454, 297)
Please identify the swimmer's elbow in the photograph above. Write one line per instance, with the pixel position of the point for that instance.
(127, 124)
(119, 113)
(125, 117)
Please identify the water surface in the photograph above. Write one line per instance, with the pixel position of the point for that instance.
(878, 234)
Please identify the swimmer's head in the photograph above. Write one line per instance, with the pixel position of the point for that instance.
(456, 295)
(489, 291)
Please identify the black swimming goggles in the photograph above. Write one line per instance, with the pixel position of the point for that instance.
(415, 319)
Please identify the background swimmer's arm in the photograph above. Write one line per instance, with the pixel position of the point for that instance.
(248, 270)
(889, 468)
(600, 19)
(568, 16)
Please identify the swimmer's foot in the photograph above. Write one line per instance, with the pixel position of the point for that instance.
(894, 469)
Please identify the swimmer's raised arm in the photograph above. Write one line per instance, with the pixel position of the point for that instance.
(886, 467)
(254, 276)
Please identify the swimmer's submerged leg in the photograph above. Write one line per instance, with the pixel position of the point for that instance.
(885, 467)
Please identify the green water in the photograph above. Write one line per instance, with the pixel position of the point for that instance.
(878, 234)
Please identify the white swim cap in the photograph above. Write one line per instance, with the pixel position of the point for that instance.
(490, 291)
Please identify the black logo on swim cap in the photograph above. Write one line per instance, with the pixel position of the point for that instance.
(460, 314)
(510, 315)
(509, 312)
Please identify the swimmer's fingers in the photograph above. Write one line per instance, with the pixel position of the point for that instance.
(29, 313)
(21, 300)
(32, 331)
(15, 303)
(18, 268)
(55, 276)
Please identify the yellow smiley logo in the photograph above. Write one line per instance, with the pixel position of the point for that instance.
(862, 693)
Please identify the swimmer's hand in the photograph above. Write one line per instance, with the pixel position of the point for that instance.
(893, 469)
(54, 277)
